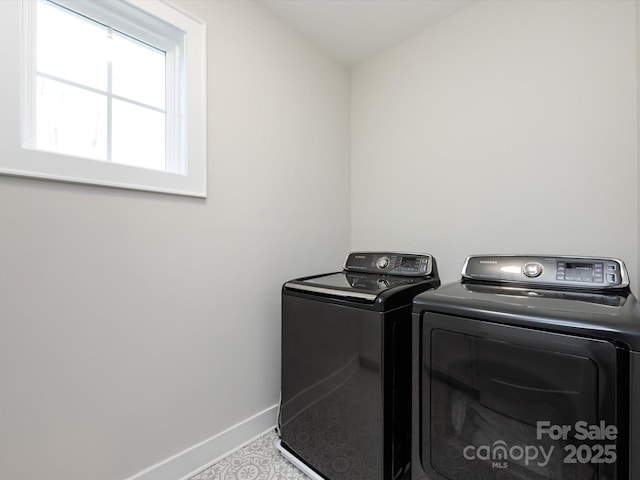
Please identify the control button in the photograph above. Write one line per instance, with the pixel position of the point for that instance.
(382, 263)
(611, 267)
(532, 269)
(611, 277)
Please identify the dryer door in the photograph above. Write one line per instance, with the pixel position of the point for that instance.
(504, 402)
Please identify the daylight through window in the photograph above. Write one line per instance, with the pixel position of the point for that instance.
(100, 94)
(112, 93)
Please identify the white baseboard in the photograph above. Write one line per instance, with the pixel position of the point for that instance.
(194, 459)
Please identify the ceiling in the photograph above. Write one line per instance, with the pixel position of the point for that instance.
(352, 31)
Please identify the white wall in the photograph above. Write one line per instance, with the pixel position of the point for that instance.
(134, 325)
(638, 107)
(507, 128)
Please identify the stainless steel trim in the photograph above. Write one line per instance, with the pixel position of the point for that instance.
(344, 265)
(466, 262)
(309, 472)
(330, 291)
(624, 274)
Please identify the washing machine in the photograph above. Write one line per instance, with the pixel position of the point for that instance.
(345, 411)
(528, 369)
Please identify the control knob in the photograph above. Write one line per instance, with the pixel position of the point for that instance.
(532, 269)
(382, 263)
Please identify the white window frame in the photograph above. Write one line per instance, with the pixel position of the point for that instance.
(160, 24)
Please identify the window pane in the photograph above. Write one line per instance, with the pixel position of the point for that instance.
(70, 46)
(138, 71)
(138, 136)
(70, 120)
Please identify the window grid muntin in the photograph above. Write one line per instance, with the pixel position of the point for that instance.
(172, 161)
(162, 24)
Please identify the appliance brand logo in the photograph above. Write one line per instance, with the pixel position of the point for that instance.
(490, 262)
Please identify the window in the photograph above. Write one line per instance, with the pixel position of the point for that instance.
(113, 94)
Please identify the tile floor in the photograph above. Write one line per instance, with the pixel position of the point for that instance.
(260, 460)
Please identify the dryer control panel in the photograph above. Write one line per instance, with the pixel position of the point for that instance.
(574, 272)
(390, 263)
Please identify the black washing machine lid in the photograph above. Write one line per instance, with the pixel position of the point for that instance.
(364, 287)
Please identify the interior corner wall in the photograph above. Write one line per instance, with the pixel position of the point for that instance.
(134, 325)
(510, 127)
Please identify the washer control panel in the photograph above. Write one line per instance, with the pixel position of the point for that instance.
(407, 264)
(575, 272)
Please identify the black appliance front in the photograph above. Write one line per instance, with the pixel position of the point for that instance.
(346, 369)
(527, 381)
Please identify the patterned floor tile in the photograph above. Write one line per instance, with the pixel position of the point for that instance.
(260, 460)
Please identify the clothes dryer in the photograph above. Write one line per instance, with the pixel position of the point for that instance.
(528, 369)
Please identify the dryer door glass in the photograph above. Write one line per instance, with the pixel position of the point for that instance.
(514, 403)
